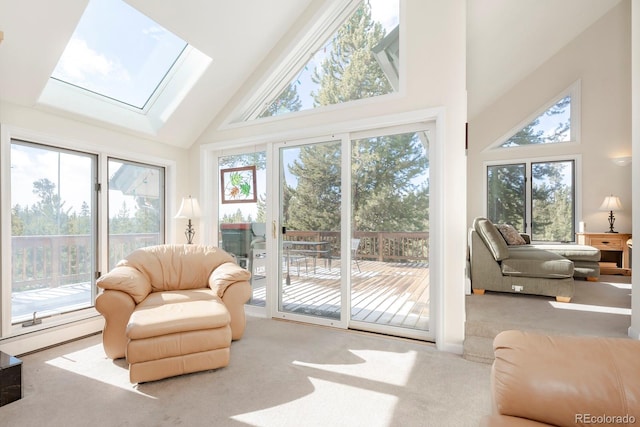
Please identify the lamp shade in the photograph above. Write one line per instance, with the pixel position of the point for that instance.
(189, 208)
(611, 203)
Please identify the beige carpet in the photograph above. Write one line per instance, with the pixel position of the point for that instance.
(597, 309)
(600, 308)
(281, 374)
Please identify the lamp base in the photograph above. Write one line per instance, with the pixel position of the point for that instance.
(612, 219)
(189, 233)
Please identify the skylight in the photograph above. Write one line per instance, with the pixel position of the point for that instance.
(119, 53)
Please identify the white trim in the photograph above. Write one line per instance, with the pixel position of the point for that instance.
(346, 217)
(437, 223)
(575, 92)
(52, 336)
(352, 126)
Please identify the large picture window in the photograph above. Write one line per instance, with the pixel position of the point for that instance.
(545, 209)
(55, 245)
(358, 59)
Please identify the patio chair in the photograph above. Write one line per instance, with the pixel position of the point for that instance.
(293, 256)
(355, 243)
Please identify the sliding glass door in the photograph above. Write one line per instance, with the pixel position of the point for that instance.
(389, 245)
(370, 272)
(310, 279)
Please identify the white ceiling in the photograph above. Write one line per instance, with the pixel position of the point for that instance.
(506, 38)
(237, 35)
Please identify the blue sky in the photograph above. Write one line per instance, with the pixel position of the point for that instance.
(118, 52)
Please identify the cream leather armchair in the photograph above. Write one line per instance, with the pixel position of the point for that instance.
(173, 309)
(547, 380)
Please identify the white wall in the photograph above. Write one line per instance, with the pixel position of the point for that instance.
(433, 40)
(600, 58)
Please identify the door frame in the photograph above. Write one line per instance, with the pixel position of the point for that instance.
(433, 117)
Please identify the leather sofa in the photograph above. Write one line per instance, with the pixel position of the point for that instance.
(173, 309)
(541, 380)
(547, 270)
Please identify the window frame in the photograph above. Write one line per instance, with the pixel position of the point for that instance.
(575, 92)
(324, 24)
(528, 162)
(89, 316)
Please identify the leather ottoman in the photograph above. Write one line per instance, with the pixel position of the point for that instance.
(177, 332)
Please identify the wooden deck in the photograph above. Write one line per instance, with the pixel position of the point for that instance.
(385, 293)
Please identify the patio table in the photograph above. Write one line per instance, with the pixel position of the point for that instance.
(312, 249)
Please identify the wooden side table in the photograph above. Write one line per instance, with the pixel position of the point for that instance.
(613, 248)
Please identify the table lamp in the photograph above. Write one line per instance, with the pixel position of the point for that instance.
(189, 208)
(610, 204)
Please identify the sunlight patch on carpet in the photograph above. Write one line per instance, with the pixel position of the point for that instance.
(92, 363)
(382, 366)
(333, 405)
(618, 285)
(591, 308)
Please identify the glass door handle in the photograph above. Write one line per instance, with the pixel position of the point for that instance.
(273, 229)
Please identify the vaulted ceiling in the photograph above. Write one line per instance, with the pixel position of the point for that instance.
(237, 36)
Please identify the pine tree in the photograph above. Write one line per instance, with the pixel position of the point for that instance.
(506, 195)
(350, 71)
(386, 195)
(287, 102)
(533, 134)
(314, 203)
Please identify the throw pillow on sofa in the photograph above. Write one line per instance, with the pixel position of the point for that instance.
(510, 234)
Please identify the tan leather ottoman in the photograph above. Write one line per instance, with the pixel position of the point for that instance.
(184, 336)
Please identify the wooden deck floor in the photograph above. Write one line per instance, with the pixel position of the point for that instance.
(395, 294)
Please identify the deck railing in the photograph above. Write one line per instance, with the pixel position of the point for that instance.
(377, 246)
(52, 261)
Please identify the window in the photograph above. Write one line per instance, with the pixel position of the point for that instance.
(546, 209)
(118, 53)
(53, 231)
(55, 248)
(555, 123)
(136, 207)
(359, 60)
(506, 194)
